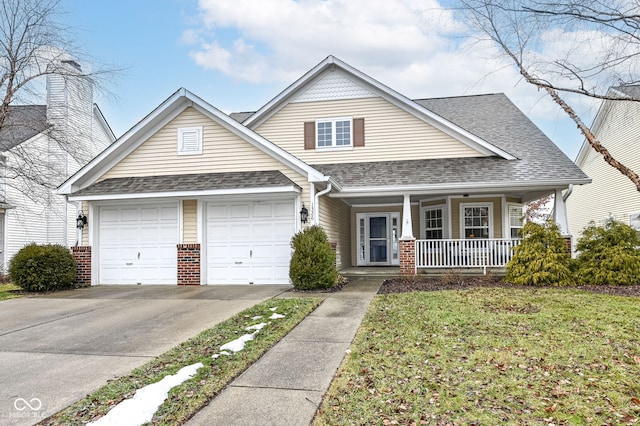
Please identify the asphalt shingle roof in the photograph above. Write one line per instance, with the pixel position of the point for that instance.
(493, 118)
(22, 123)
(188, 182)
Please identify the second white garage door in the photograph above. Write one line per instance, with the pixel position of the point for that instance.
(137, 244)
(249, 242)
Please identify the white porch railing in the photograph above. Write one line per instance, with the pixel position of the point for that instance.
(468, 253)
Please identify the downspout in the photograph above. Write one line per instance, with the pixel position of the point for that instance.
(316, 202)
(569, 191)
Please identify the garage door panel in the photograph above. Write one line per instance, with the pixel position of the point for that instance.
(138, 244)
(239, 230)
(250, 243)
(241, 211)
(263, 210)
(283, 210)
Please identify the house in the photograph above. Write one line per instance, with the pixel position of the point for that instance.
(617, 127)
(40, 147)
(195, 196)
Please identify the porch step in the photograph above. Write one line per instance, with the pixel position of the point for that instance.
(391, 272)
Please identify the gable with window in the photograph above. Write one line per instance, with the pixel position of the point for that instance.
(334, 133)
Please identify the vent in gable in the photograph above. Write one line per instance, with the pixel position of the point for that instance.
(189, 140)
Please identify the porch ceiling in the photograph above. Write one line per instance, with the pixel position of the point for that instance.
(365, 198)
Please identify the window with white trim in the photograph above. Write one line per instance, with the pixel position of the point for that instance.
(433, 223)
(476, 220)
(516, 220)
(334, 133)
(634, 221)
(190, 140)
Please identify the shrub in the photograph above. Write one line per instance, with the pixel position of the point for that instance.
(313, 264)
(43, 268)
(541, 258)
(609, 254)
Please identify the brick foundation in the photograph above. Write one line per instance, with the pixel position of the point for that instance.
(408, 257)
(188, 264)
(82, 256)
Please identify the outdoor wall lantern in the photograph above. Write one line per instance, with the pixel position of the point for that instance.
(304, 214)
(81, 220)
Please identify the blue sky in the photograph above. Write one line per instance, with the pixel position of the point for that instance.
(239, 54)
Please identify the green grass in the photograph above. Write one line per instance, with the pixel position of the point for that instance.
(9, 291)
(491, 356)
(185, 400)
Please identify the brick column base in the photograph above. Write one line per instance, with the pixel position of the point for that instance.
(82, 256)
(188, 264)
(408, 257)
(568, 243)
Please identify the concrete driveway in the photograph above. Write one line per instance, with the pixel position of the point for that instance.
(56, 349)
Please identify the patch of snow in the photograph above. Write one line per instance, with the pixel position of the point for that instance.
(273, 309)
(141, 408)
(238, 344)
(257, 317)
(256, 327)
(276, 316)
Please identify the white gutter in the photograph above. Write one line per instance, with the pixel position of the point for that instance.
(316, 210)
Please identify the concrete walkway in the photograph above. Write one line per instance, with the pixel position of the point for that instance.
(286, 385)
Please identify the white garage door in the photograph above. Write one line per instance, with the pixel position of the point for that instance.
(138, 244)
(249, 242)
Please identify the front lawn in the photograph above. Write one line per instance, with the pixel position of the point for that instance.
(9, 291)
(485, 356)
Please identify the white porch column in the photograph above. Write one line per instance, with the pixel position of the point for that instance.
(560, 213)
(407, 226)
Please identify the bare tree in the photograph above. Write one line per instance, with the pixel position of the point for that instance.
(568, 48)
(37, 49)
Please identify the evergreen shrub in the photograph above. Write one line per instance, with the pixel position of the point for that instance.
(47, 267)
(541, 258)
(313, 263)
(609, 254)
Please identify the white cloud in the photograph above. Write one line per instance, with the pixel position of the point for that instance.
(412, 46)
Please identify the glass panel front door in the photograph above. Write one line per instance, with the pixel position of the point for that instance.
(378, 239)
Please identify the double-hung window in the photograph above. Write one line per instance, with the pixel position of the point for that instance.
(516, 221)
(434, 223)
(634, 221)
(476, 221)
(334, 133)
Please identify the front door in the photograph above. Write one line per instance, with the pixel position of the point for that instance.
(378, 239)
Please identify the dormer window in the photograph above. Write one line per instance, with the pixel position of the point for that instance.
(334, 133)
(190, 140)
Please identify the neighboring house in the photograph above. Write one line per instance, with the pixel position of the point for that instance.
(192, 195)
(41, 146)
(617, 127)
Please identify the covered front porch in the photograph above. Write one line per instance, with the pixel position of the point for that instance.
(430, 233)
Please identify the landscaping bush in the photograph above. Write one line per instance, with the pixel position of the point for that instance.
(43, 268)
(541, 258)
(609, 254)
(313, 264)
